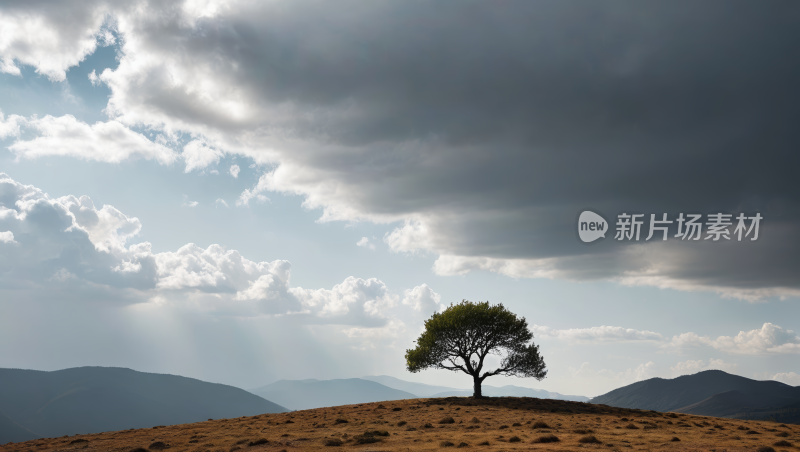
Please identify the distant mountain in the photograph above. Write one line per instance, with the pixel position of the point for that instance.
(709, 393)
(423, 390)
(307, 394)
(10, 431)
(513, 391)
(97, 399)
(420, 389)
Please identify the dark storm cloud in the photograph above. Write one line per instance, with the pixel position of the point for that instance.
(491, 125)
(669, 106)
(528, 112)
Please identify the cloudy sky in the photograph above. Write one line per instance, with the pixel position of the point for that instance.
(245, 191)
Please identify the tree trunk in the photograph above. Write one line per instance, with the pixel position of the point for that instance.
(477, 386)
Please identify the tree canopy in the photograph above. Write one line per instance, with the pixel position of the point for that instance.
(463, 335)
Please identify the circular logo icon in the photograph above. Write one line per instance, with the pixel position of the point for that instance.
(591, 226)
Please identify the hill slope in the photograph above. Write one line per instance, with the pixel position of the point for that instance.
(709, 393)
(307, 394)
(416, 425)
(97, 399)
(740, 405)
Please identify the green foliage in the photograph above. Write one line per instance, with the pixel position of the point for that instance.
(460, 338)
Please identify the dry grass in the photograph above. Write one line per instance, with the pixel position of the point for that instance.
(424, 424)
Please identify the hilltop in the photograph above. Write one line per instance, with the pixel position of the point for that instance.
(513, 391)
(313, 393)
(428, 424)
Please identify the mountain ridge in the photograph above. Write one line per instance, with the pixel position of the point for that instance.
(488, 390)
(305, 394)
(710, 393)
(419, 389)
(96, 399)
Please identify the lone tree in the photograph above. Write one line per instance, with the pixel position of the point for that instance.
(461, 337)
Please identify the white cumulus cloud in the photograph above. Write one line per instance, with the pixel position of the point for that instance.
(354, 296)
(690, 367)
(10, 127)
(93, 79)
(51, 37)
(109, 142)
(790, 378)
(199, 155)
(769, 339)
(68, 240)
(364, 242)
(422, 299)
(597, 333)
(412, 237)
(188, 203)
